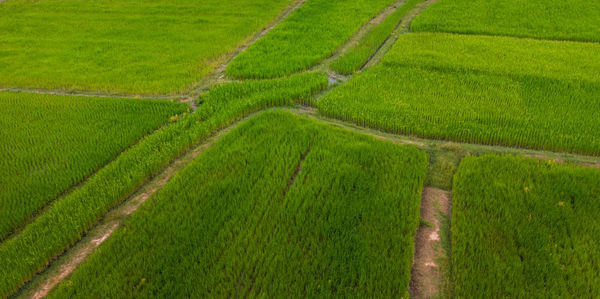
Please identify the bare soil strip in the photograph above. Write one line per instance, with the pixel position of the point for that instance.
(65, 264)
(426, 275)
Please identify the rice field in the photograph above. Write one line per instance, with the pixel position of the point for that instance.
(123, 46)
(49, 143)
(576, 20)
(525, 228)
(299, 201)
(359, 55)
(67, 220)
(500, 91)
(312, 33)
(281, 206)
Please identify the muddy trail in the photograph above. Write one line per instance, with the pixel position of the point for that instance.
(427, 272)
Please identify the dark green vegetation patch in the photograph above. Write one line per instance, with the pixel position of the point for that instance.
(547, 19)
(498, 91)
(280, 207)
(523, 228)
(49, 143)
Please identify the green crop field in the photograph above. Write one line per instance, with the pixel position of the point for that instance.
(524, 228)
(157, 46)
(499, 91)
(65, 221)
(309, 35)
(52, 142)
(300, 149)
(545, 19)
(357, 56)
(281, 206)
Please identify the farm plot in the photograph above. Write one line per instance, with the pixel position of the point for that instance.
(281, 206)
(357, 56)
(51, 142)
(312, 33)
(498, 91)
(72, 215)
(523, 228)
(159, 46)
(565, 20)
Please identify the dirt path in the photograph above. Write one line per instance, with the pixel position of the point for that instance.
(44, 282)
(426, 276)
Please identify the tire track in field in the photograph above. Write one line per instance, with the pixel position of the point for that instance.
(65, 264)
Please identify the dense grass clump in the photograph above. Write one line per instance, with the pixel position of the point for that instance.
(360, 54)
(72, 215)
(280, 207)
(499, 91)
(312, 33)
(155, 46)
(49, 143)
(577, 20)
(524, 228)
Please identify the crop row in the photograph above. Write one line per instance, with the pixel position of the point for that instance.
(523, 228)
(310, 34)
(280, 207)
(49, 143)
(71, 216)
(422, 88)
(576, 20)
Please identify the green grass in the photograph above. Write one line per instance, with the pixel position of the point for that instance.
(498, 91)
(71, 216)
(564, 20)
(49, 143)
(309, 35)
(280, 207)
(524, 228)
(355, 58)
(129, 46)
